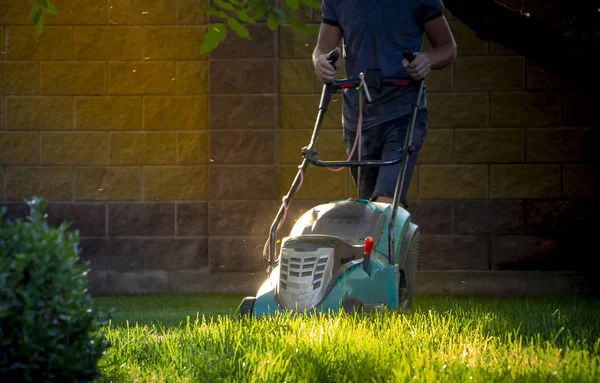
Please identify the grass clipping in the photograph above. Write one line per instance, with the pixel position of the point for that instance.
(445, 343)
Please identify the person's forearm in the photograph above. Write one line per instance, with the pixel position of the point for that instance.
(442, 55)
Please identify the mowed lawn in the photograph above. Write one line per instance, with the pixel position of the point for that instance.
(195, 338)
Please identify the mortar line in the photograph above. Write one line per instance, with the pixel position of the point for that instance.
(4, 188)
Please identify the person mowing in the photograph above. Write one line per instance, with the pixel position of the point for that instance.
(375, 33)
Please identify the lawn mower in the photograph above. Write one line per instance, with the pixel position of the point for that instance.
(352, 254)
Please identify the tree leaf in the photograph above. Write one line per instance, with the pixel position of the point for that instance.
(280, 15)
(303, 27)
(260, 10)
(238, 28)
(312, 3)
(51, 8)
(214, 36)
(244, 17)
(39, 27)
(273, 21)
(224, 5)
(216, 13)
(293, 4)
(35, 13)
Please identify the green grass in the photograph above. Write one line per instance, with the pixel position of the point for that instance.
(444, 339)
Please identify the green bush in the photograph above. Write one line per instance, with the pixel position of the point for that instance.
(49, 329)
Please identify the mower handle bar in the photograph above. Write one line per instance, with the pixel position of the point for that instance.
(309, 152)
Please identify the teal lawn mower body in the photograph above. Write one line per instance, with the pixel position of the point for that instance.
(351, 254)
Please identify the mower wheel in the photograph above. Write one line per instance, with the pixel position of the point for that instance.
(408, 277)
(246, 307)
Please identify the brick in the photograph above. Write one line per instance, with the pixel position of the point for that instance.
(14, 210)
(458, 110)
(18, 148)
(240, 112)
(141, 219)
(108, 184)
(489, 145)
(489, 217)
(294, 44)
(142, 148)
(79, 12)
(296, 76)
(453, 181)
(539, 78)
(581, 181)
(55, 44)
(176, 184)
(192, 148)
(39, 113)
(300, 112)
(175, 113)
(516, 252)
(236, 254)
(19, 78)
(73, 78)
(260, 45)
(50, 183)
(192, 77)
(136, 282)
(108, 43)
(88, 219)
(562, 145)
(330, 145)
(192, 219)
(108, 113)
(468, 44)
(525, 181)
(243, 76)
(134, 254)
(317, 183)
(525, 108)
(440, 80)
(453, 252)
(73, 149)
(259, 182)
(564, 220)
(187, 11)
(433, 217)
(142, 12)
(15, 12)
(437, 147)
(141, 78)
(173, 43)
(242, 217)
(489, 73)
(579, 109)
(255, 147)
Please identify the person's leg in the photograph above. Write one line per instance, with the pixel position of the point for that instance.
(392, 148)
(371, 143)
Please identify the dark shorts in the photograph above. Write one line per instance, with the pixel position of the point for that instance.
(385, 142)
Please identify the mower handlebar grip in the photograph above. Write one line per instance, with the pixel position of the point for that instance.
(333, 56)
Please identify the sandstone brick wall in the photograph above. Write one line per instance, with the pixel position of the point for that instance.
(172, 165)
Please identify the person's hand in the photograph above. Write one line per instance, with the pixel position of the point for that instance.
(324, 70)
(419, 67)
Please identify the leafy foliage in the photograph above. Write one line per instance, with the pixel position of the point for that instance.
(48, 325)
(232, 13)
(39, 9)
(235, 13)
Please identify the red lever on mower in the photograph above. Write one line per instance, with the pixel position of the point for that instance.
(367, 255)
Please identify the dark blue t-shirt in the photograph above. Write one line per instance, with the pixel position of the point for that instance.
(375, 33)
